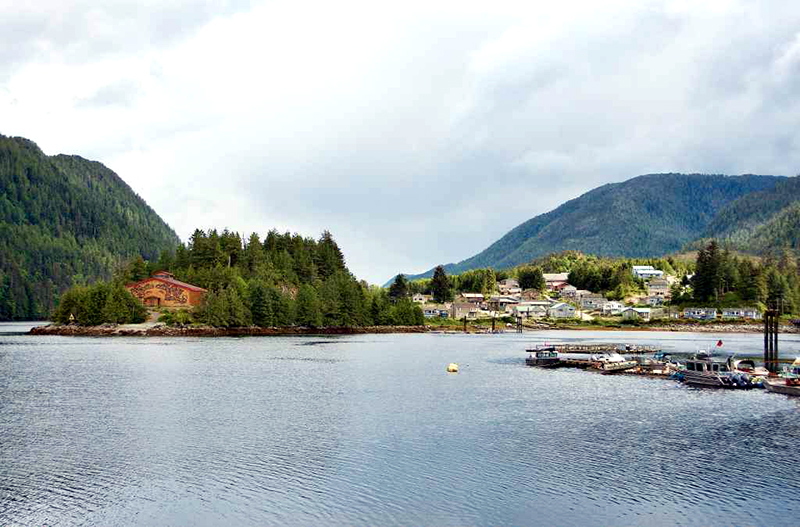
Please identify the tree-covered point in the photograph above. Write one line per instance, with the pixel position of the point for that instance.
(284, 280)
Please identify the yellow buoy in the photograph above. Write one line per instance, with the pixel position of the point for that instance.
(452, 368)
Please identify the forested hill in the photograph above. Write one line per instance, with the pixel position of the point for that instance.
(65, 220)
(646, 216)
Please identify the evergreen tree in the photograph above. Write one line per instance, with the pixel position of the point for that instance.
(308, 309)
(440, 286)
(399, 288)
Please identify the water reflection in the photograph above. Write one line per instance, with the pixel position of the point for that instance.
(371, 430)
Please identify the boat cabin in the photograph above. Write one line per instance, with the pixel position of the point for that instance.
(707, 365)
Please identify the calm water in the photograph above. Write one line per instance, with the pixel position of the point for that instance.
(370, 430)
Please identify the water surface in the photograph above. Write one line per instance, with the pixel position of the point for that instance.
(370, 430)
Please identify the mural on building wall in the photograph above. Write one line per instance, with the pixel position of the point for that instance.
(171, 293)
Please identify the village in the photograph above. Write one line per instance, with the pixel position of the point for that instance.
(562, 301)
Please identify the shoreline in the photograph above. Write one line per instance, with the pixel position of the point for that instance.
(162, 330)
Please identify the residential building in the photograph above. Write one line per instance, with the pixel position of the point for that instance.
(636, 313)
(658, 287)
(646, 272)
(700, 313)
(569, 291)
(749, 313)
(555, 281)
(505, 285)
(612, 308)
(501, 303)
(419, 298)
(561, 310)
(592, 302)
(460, 310)
(530, 310)
(472, 298)
(655, 300)
(436, 310)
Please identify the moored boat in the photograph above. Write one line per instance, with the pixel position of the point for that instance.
(544, 357)
(706, 371)
(788, 383)
(612, 363)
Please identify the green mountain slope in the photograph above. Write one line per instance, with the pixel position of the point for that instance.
(649, 215)
(757, 220)
(65, 220)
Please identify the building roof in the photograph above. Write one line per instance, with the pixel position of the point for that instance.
(168, 278)
(556, 277)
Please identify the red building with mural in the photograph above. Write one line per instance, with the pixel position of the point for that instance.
(162, 290)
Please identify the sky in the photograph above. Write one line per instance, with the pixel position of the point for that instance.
(418, 133)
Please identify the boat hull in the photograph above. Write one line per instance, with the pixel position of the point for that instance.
(780, 386)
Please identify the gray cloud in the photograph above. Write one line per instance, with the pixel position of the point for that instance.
(419, 135)
(85, 30)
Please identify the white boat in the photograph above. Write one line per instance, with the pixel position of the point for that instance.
(612, 362)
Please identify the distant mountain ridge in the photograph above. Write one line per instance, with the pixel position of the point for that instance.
(65, 219)
(649, 215)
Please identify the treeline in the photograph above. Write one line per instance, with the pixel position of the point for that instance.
(724, 279)
(284, 280)
(65, 221)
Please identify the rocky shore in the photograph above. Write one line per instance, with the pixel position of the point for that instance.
(162, 330)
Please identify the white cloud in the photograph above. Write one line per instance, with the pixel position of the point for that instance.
(418, 133)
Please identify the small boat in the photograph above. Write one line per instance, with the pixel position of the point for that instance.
(612, 362)
(786, 386)
(544, 357)
(788, 383)
(706, 371)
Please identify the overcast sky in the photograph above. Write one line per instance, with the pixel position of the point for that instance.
(416, 132)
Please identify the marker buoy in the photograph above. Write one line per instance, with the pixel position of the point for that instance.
(452, 368)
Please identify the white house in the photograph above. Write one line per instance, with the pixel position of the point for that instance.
(561, 310)
(504, 286)
(531, 310)
(612, 308)
(636, 313)
(419, 298)
(700, 313)
(592, 302)
(646, 272)
(750, 313)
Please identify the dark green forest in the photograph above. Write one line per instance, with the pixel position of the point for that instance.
(284, 280)
(65, 221)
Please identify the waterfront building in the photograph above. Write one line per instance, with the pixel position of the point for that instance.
(636, 313)
(700, 313)
(163, 290)
(748, 313)
(561, 310)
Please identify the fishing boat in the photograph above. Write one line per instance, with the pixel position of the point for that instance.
(706, 371)
(546, 357)
(612, 362)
